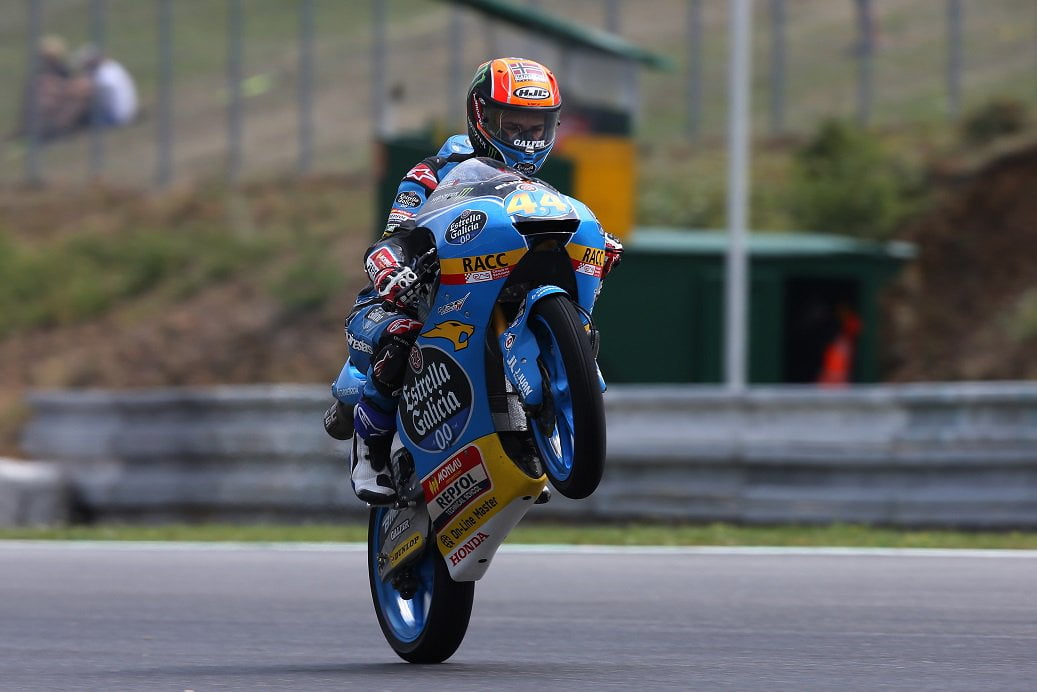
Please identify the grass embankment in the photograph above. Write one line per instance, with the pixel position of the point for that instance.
(716, 534)
(102, 287)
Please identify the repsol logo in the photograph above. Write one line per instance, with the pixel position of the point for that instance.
(484, 262)
(467, 547)
(445, 498)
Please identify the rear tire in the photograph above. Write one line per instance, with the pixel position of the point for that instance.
(429, 627)
(570, 434)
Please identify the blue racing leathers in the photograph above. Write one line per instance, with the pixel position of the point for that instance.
(379, 339)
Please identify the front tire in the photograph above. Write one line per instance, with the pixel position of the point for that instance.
(570, 430)
(429, 627)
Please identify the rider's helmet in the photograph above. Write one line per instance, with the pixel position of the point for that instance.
(513, 107)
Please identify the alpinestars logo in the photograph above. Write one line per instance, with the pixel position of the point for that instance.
(423, 175)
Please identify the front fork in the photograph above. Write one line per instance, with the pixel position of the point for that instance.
(521, 350)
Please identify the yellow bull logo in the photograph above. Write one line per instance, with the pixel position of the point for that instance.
(455, 331)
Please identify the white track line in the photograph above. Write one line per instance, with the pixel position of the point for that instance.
(173, 546)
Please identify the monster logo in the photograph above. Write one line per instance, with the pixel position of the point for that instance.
(457, 333)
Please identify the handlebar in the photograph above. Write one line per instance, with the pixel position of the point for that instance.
(426, 266)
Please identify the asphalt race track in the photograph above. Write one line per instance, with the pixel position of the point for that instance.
(189, 617)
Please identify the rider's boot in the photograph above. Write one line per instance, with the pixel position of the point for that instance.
(370, 470)
(370, 454)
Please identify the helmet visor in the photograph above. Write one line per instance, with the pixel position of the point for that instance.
(528, 130)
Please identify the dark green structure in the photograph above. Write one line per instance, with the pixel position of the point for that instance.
(661, 313)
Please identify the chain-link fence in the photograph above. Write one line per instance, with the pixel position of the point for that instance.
(259, 88)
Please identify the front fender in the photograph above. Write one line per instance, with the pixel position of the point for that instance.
(520, 350)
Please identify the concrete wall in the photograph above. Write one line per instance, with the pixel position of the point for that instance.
(919, 455)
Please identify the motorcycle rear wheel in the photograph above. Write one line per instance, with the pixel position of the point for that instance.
(429, 627)
(570, 432)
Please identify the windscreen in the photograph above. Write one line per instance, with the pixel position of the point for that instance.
(476, 177)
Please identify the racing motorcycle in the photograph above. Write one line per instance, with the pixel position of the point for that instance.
(502, 394)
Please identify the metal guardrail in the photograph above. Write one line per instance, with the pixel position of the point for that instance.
(960, 455)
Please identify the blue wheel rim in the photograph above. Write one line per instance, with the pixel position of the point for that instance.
(406, 619)
(557, 449)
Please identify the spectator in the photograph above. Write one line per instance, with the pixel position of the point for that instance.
(55, 102)
(113, 92)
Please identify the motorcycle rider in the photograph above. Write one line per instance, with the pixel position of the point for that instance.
(512, 111)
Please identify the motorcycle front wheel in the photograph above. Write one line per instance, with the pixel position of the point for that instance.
(429, 626)
(570, 430)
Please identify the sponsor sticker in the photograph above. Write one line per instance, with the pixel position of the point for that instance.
(530, 145)
(467, 548)
(381, 259)
(586, 260)
(436, 404)
(588, 269)
(398, 216)
(454, 305)
(466, 226)
(397, 530)
(533, 93)
(455, 485)
(408, 199)
(479, 268)
(405, 549)
(518, 377)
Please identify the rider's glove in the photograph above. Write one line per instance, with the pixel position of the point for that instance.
(389, 282)
(613, 253)
(388, 272)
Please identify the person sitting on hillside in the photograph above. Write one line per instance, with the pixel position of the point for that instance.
(55, 101)
(113, 93)
(512, 108)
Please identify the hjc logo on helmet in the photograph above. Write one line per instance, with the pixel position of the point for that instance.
(533, 93)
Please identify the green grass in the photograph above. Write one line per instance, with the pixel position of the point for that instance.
(716, 534)
(78, 278)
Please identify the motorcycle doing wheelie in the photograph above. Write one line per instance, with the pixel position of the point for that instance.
(502, 393)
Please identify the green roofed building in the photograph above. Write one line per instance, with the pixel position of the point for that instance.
(661, 312)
